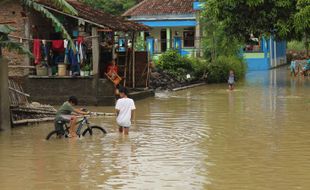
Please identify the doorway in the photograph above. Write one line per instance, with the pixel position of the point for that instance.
(163, 40)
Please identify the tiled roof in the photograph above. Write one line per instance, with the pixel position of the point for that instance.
(115, 23)
(161, 7)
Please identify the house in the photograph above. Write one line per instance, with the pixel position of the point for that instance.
(264, 54)
(95, 32)
(174, 24)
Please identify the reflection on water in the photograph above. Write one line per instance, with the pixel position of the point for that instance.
(257, 137)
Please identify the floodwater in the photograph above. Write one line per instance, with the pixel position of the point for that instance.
(255, 138)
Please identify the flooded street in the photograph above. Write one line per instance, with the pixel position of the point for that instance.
(255, 138)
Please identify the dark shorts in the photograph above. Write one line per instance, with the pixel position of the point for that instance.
(60, 121)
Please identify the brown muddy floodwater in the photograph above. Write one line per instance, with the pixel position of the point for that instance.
(255, 138)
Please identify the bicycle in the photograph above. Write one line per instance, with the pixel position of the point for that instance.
(64, 129)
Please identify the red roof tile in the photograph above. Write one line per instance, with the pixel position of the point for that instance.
(159, 7)
(99, 17)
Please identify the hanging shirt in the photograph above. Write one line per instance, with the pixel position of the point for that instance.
(36, 51)
(58, 46)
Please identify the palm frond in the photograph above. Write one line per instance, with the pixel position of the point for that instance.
(65, 6)
(40, 8)
(6, 29)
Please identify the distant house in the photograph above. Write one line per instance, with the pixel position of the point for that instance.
(174, 24)
(264, 54)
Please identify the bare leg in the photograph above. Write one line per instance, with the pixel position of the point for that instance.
(73, 126)
(120, 129)
(126, 130)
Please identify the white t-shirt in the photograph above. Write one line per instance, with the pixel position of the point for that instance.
(125, 106)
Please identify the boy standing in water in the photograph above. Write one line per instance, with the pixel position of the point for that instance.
(231, 80)
(293, 67)
(125, 109)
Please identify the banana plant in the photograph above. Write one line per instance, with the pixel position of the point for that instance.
(5, 41)
(6, 29)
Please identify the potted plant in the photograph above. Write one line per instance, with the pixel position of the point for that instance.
(86, 70)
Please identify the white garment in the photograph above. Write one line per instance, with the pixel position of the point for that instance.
(125, 107)
(66, 44)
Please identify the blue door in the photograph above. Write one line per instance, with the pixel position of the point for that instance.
(150, 45)
(178, 44)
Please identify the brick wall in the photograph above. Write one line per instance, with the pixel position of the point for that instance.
(12, 11)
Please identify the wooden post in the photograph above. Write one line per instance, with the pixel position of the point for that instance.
(95, 50)
(5, 123)
(27, 44)
(148, 70)
(197, 36)
(133, 61)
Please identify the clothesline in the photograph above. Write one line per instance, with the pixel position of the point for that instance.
(31, 39)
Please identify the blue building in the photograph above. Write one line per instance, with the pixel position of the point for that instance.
(265, 54)
(174, 24)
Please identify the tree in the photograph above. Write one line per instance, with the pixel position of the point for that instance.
(115, 7)
(241, 18)
(302, 20)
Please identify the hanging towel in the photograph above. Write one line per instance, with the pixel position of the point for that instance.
(77, 52)
(74, 65)
(66, 51)
(45, 50)
(80, 40)
(36, 51)
(58, 46)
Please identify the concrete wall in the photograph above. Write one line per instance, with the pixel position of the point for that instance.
(4, 96)
(89, 91)
(12, 11)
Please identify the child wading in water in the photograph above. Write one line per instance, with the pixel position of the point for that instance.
(125, 109)
(231, 80)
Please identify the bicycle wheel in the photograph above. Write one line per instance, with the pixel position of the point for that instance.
(53, 134)
(94, 130)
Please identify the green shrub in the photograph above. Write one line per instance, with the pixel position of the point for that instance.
(295, 46)
(218, 71)
(200, 67)
(178, 67)
(175, 65)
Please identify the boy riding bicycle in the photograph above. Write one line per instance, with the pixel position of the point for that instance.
(68, 114)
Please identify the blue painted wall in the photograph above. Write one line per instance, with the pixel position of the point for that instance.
(264, 63)
(170, 23)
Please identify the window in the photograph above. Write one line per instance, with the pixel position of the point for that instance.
(189, 38)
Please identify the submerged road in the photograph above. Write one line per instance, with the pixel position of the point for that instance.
(255, 138)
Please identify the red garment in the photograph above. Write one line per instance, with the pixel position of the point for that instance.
(58, 46)
(80, 39)
(36, 51)
(112, 69)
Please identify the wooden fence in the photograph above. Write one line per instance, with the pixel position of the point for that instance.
(23, 112)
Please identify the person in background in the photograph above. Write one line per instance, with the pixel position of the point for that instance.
(68, 114)
(231, 80)
(112, 69)
(125, 111)
(306, 68)
(293, 68)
